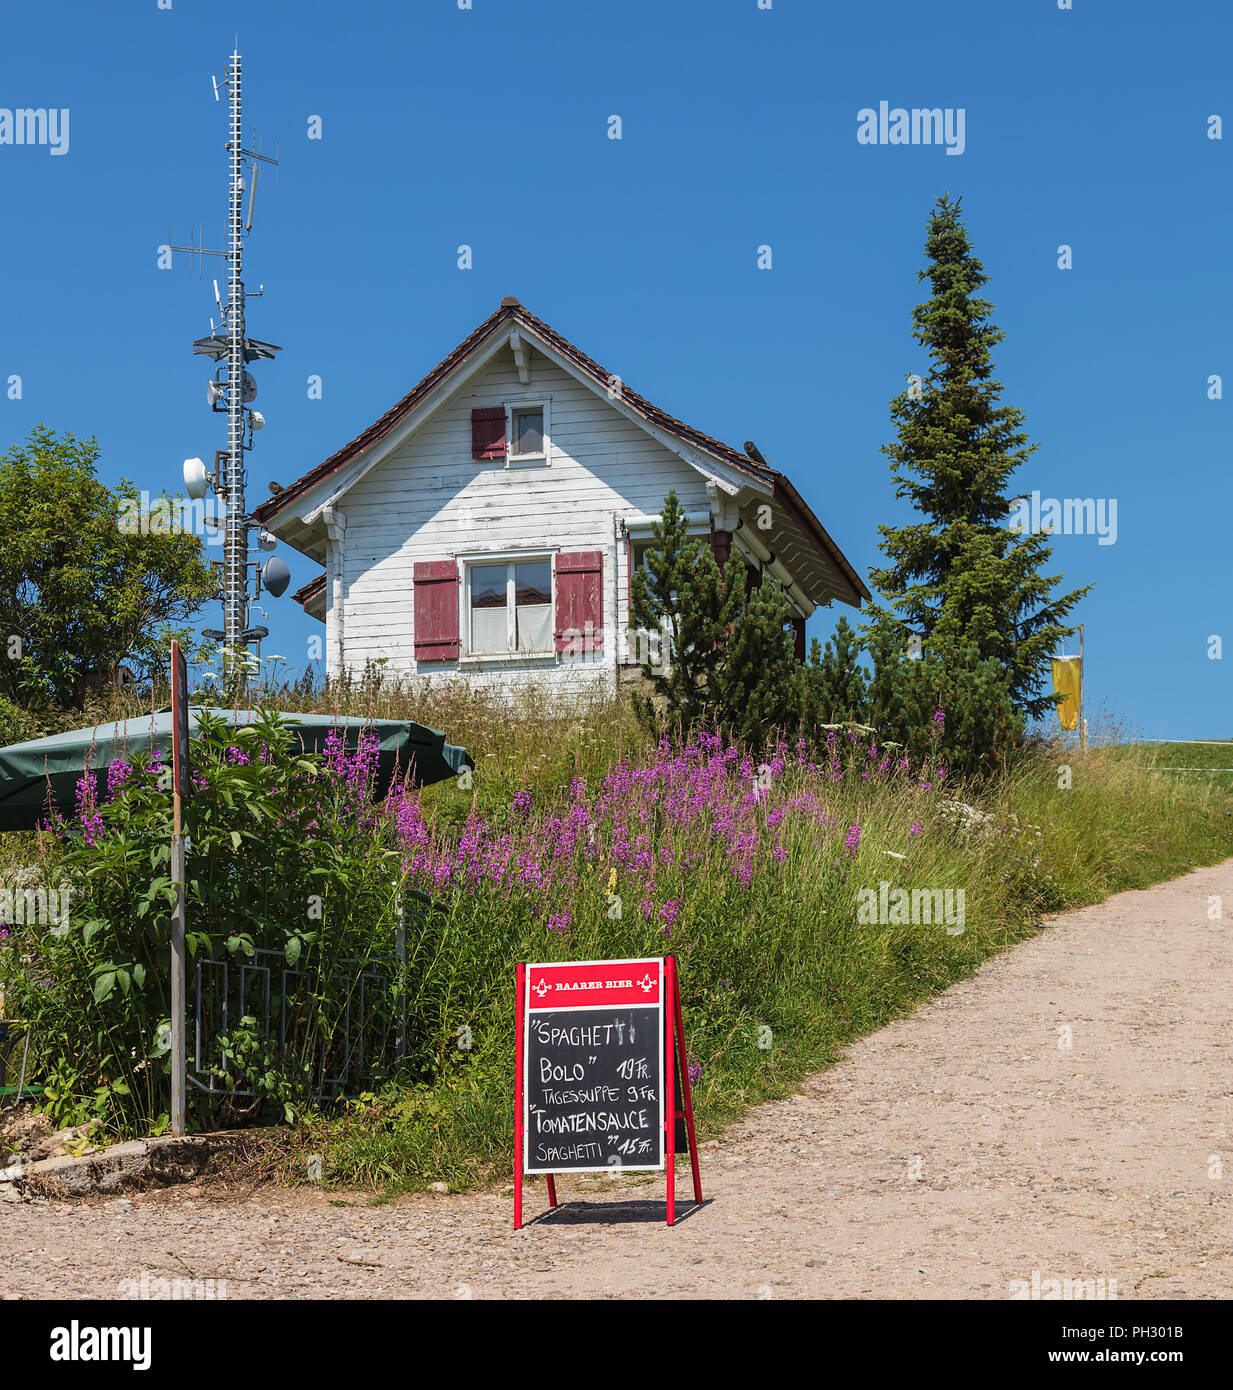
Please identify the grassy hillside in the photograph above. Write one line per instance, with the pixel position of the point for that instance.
(1203, 761)
(754, 876)
(784, 952)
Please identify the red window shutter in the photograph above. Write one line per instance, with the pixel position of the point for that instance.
(580, 601)
(798, 635)
(436, 610)
(488, 432)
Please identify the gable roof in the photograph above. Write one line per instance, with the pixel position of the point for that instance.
(511, 313)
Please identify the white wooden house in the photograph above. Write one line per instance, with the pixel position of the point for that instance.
(486, 526)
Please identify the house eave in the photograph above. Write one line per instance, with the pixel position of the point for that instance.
(311, 597)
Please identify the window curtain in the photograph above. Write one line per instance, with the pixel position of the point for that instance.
(534, 627)
(489, 627)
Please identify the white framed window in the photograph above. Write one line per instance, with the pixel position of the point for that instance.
(527, 432)
(639, 549)
(642, 542)
(509, 606)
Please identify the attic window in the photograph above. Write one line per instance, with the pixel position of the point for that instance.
(528, 433)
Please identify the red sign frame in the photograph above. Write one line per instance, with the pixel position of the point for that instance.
(581, 985)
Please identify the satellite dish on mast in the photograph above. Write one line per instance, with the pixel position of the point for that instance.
(195, 482)
(275, 576)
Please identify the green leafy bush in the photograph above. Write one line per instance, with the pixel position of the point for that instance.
(286, 865)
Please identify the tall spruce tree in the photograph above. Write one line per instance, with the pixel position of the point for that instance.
(960, 577)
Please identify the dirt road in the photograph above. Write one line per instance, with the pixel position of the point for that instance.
(1065, 1114)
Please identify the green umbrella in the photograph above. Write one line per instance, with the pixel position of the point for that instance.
(45, 771)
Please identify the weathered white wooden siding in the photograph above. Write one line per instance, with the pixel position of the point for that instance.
(431, 501)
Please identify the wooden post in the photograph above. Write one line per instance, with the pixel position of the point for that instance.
(177, 977)
(179, 776)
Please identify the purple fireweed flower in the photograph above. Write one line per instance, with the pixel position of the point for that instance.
(88, 814)
(117, 774)
(683, 807)
(334, 750)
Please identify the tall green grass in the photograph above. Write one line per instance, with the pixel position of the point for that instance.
(776, 979)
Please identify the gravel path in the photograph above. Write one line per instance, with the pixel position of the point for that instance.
(948, 1155)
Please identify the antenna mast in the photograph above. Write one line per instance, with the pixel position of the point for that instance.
(235, 544)
(234, 393)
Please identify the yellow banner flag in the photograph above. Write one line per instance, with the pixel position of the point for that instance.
(1068, 682)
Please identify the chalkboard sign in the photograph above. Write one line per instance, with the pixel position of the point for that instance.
(597, 1045)
(593, 1066)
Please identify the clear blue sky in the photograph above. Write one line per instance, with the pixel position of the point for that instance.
(1086, 127)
